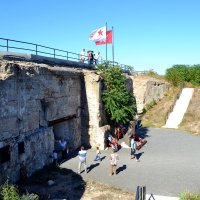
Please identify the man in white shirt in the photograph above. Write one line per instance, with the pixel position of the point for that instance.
(82, 159)
(82, 56)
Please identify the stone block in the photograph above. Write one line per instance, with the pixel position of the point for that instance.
(62, 107)
(30, 121)
(8, 127)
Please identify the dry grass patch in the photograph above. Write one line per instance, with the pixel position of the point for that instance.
(191, 120)
(99, 191)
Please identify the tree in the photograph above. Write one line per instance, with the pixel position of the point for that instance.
(119, 103)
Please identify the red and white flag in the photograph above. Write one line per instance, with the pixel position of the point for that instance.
(108, 39)
(98, 34)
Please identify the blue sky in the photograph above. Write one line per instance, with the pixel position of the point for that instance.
(148, 34)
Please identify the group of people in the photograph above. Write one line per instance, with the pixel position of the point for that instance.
(114, 158)
(134, 142)
(91, 57)
(128, 133)
(82, 154)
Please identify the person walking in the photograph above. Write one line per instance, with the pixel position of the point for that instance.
(82, 56)
(98, 153)
(113, 163)
(82, 159)
(133, 149)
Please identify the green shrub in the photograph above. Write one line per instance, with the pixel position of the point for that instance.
(102, 66)
(9, 192)
(195, 75)
(152, 73)
(29, 197)
(119, 103)
(179, 74)
(189, 196)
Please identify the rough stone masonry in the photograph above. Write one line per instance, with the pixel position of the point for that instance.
(38, 105)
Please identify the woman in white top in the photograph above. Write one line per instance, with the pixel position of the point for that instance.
(113, 162)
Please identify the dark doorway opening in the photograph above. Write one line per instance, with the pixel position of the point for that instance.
(21, 149)
(4, 154)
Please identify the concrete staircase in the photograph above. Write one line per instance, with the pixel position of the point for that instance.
(176, 116)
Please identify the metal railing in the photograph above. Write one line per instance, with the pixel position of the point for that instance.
(37, 49)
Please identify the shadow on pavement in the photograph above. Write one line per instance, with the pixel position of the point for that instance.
(139, 155)
(92, 166)
(142, 132)
(103, 158)
(120, 169)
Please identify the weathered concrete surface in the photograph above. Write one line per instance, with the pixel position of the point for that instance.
(38, 145)
(35, 101)
(93, 115)
(146, 89)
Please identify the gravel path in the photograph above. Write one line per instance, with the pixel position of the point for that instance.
(169, 165)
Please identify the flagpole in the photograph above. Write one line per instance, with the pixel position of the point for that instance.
(113, 45)
(106, 42)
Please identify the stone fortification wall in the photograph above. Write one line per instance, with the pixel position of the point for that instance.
(146, 89)
(38, 104)
(94, 125)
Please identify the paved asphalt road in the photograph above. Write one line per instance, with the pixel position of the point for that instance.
(169, 165)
